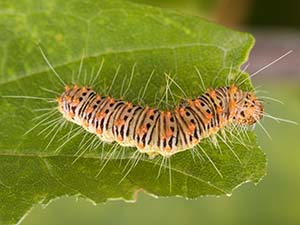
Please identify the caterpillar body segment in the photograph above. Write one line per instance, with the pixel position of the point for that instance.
(156, 132)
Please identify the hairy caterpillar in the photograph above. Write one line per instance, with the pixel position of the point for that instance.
(159, 132)
(156, 132)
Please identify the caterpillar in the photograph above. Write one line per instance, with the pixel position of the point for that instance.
(156, 132)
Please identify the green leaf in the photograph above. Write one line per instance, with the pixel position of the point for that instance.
(124, 36)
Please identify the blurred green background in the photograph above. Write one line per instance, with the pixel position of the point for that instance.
(276, 199)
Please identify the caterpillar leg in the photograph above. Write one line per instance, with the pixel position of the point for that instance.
(152, 155)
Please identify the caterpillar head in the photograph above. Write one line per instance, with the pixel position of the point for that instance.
(249, 110)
